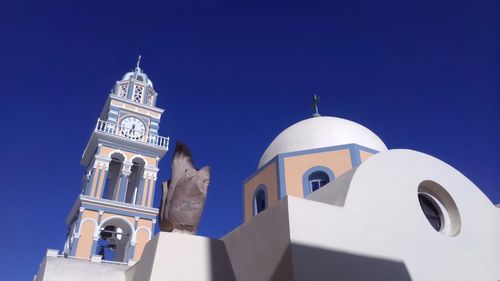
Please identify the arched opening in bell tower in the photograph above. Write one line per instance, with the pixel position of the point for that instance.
(113, 177)
(135, 179)
(115, 236)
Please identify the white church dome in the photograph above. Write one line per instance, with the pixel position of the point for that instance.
(318, 132)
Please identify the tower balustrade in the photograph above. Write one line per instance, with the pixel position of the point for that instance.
(131, 133)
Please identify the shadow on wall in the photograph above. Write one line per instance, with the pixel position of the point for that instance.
(220, 264)
(284, 270)
(320, 264)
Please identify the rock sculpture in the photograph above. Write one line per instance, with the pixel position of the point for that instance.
(184, 195)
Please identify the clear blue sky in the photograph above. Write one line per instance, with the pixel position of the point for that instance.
(231, 75)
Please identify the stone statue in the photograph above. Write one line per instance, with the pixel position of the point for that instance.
(184, 195)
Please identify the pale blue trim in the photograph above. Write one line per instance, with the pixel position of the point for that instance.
(302, 152)
(254, 198)
(355, 156)
(94, 247)
(74, 245)
(364, 148)
(119, 211)
(113, 114)
(147, 193)
(123, 188)
(281, 177)
(131, 87)
(259, 170)
(94, 242)
(280, 163)
(140, 192)
(97, 182)
(88, 188)
(146, 93)
(99, 218)
(153, 193)
(131, 251)
(278, 170)
(130, 149)
(101, 194)
(78, 220)
(324, 149)
(305, 177)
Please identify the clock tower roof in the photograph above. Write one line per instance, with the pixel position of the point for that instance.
(138, 75)
(136, 86)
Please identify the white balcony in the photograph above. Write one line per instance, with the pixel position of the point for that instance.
(131, 134)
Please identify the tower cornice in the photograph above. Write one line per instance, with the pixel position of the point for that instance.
(88, 202)
(114, 99)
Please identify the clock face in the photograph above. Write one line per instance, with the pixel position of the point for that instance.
(132, 128)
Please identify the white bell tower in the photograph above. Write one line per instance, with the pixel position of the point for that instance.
(114, 215)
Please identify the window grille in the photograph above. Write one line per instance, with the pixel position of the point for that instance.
(122, 91)
(138, 91)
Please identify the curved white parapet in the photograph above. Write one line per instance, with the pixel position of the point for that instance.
(375, 212)
(369, 225)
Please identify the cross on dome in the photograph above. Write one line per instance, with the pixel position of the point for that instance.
(314, 106)
(138, 62)
(138, 74)
(136, 86)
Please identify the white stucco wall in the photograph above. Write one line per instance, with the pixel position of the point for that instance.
(179, 257)
(64, 269)
(367, 225)
(382, 219)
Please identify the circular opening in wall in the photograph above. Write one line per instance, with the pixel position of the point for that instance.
(431, 211)
(439, 208)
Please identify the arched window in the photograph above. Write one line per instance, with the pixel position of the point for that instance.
(316, 177)
(134, 180)
(260, 200)
(317, 180)
(110, 189)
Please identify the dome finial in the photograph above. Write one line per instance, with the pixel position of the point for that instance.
(314, 106)
(138, 62)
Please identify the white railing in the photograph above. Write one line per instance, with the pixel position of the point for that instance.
(90, 259)
(129, 133)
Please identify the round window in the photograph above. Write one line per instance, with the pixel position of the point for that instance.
(439, 208)
(431, 211)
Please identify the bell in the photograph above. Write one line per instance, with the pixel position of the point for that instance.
(108, 231)
(101, 251)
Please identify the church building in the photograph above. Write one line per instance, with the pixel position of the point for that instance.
(328, 201)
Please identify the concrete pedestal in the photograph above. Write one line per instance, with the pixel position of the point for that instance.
(171, 256)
